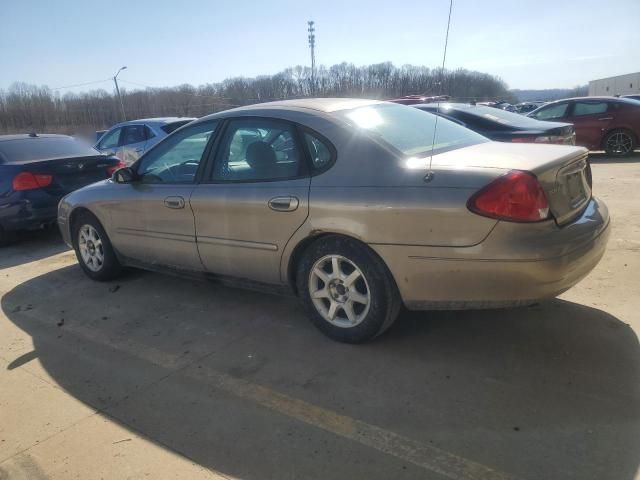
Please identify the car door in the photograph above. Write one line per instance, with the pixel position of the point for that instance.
(132, 143)
(151, 218)
(253, 199)
(591, 118)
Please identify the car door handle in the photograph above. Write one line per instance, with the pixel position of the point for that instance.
(605, 118)
(174, 202)
(139, 150)
(284, 204)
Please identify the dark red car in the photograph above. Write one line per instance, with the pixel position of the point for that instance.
(601, 123)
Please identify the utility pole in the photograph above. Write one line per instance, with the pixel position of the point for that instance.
(312, 45)
(115, 80)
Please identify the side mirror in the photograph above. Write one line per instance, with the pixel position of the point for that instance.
(124, 175)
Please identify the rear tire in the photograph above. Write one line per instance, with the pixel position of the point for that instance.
(620, 143)
(347, 290)
(93, 248)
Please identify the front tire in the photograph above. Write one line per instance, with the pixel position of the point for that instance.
(620, 143)
(347, 290)
(93, 248)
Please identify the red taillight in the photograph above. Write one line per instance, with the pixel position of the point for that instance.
(515, 197)
(31, 181)
(115, 168)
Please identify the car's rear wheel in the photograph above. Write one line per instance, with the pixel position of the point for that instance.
(619, 143)
(93, 249)
(347, 290)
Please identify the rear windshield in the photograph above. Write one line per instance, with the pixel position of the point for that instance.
(171, 127)
(43, 148)
(497, 115)
(409, 130)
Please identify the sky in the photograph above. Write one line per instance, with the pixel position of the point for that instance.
(530, 44)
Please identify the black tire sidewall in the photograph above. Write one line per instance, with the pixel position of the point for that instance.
(384, 305)
(614, 154)
(111, 267)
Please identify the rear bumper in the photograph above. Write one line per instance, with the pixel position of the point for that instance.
(516, 265)
(25, 214)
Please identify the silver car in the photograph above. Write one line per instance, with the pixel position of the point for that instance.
(356, 206)
(129, 140)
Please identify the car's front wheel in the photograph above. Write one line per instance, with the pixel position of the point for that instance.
(620, 143)
(347, 290)
(93, 249)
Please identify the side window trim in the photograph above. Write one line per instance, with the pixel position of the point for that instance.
(216, 153)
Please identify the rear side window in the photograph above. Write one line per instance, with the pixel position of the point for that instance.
(173, 126)
(133, 134)
(258, 150)
(589, 108)
(319, 151)
(551, 112)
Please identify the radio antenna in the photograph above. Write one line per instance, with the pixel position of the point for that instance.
(441, 83)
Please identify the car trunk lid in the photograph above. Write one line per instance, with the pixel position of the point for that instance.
(563, 171)
(72, 173)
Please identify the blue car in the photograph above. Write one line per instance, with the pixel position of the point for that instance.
(129, 140)
(36, 171)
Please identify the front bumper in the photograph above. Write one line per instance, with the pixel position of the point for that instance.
(518, 264)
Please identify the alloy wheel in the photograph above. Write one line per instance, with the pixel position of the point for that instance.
(339, 291)
(91, 248)
(619, 143)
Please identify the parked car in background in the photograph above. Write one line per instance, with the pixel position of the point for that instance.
(415, 99)
(129, 140)
(602, 123)
(631, 97)
(351, 205)
(502, 105)
(36, 171)
(526, 107)
(501, 125)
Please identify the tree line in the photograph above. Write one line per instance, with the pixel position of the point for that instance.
(25, 107)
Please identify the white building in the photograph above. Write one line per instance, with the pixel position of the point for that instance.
(620, 85)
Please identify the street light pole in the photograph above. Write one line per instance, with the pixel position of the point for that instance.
(115, 80)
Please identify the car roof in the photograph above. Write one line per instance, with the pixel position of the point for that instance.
(598, 98)
(22, 136)
(324, 105)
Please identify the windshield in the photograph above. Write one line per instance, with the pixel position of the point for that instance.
(409, 130)
(42, 148)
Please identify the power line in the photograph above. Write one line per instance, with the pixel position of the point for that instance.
(81, 84)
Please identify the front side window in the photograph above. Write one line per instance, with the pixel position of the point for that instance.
(177, 159)
(133, 134)
(110, 139)
(410, 130)
(551, 112)
(258, 150)
(589, 108)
